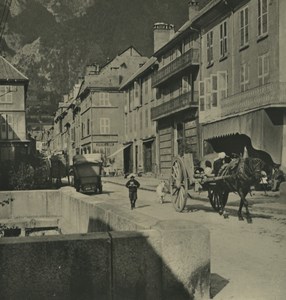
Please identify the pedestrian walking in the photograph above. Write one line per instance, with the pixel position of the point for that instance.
(132, 185)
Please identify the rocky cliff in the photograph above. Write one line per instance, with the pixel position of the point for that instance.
(51, 41)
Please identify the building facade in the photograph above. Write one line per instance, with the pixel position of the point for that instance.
(176, 96)
(140, 131)
(13, 93)
(90, 119)
(243, 78)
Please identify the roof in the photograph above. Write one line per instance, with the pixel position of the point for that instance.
(9, 72)
(107, 79)
(177, 34)
(188, 25)
(121, 53)
(139, 72)
(208, 13)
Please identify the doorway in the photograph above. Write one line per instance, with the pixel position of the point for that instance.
(148, 157)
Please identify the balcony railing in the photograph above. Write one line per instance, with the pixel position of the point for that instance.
(175, 105)
(268, 95)
(191, 57)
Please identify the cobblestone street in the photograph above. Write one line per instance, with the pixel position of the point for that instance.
(247, 260)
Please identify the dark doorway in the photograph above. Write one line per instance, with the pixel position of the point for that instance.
(136, 158)
(128, 160)
(148, 159)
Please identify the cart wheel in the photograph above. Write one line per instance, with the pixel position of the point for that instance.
(178, 184)
(218, 199)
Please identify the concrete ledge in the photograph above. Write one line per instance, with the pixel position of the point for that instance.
(137, 256)
(60, 267)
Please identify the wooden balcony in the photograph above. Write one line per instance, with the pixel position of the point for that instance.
(187, 100)
(188, 59)
(265, 96)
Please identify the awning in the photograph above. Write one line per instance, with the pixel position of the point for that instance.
(119, 150)
(257, 125)
(222, 128)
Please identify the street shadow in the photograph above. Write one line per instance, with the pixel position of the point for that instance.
(97, 194)
(217, 284)
(141, 206)
(198, 207)
(151, 276)
(231, 211)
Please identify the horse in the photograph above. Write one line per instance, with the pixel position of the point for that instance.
(238, 176)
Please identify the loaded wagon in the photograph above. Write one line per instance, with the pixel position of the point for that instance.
(87, 171)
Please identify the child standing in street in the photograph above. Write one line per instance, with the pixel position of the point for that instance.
(132, 185)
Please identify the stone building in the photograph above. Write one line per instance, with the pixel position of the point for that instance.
(90, 119)
(13, 94)
(243, 78)
(140, 132)
(176, 97)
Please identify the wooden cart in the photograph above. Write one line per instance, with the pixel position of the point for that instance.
(182, 183)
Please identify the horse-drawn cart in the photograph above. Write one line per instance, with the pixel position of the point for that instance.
(182, 184)
(238, 177)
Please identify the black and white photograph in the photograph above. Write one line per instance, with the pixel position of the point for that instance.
(142, 149)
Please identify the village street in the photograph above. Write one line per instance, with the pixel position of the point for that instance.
(248, 261)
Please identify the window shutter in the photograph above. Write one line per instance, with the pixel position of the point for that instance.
(202, 95)
(214, 90)
(222, 85)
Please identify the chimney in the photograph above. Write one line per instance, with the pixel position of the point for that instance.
(193, 9)
(92, 69)
(162, 34)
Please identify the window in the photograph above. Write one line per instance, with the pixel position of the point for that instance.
(202, 95)
(141, 119)
(6, 93)
(82, 130)
(208, 93)
(214, 90)
(146, 82)
(263, 69)
(222, 84)
(147, 117)
(244, 77)
(210, 48)
(130, 122)
(104, 125)
(104, 99)
(137, 94)
(131, 99)
(262, 20)
(88, 127)
(223, 39)
(3, 126)
(243, 27)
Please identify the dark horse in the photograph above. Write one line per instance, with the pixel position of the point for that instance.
(238, 176)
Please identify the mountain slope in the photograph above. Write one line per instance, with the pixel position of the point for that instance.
(51, 41)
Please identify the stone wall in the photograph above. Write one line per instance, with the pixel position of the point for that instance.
(115, 256)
